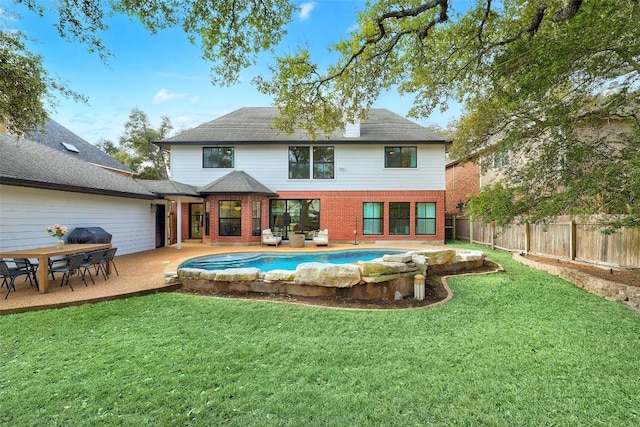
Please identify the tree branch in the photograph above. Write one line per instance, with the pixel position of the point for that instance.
(569, 11)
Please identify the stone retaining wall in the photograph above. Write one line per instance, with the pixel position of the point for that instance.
(613, 291)
(389, 277)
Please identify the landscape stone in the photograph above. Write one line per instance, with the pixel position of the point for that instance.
(328, 275)
(381, 268)
(248, 274)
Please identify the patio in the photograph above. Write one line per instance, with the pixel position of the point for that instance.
(140, 273)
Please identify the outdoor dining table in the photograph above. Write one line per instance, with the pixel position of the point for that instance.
(43, 255)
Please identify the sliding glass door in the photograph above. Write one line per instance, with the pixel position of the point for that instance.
(294, 216)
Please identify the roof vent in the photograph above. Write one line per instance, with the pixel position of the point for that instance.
(352, 130)
(70, 147)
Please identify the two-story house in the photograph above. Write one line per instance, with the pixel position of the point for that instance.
(379, 180)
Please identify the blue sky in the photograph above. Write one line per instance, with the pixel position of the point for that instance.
(164, 75)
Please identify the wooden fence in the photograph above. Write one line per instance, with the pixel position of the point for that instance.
(565, 239)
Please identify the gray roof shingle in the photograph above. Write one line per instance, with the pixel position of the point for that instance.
(55, 135)
(236, 182)
(255, 124)
(169, 188)
(32, 164)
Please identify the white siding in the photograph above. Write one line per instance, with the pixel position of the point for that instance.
(25, 212)
(357, 167)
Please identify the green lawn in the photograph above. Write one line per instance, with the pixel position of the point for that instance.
(520, 348)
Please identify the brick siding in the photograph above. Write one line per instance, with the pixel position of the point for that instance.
(461, 182)
(339, 211)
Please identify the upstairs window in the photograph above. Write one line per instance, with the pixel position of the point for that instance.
(299, 162)
(400, 157)
(322, 162)
(302, 167)
(218, 157)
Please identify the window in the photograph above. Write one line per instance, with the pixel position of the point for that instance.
(256, 218)
(299, 162)
(372, 218)
(425, 218)
(400, 157)
(322, 162)
(217, 157)
(399, 216)
(230, 222)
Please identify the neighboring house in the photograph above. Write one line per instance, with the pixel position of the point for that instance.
(47, 182)
(462, 181)
(467, 178)
(62, 139)
(381, 180)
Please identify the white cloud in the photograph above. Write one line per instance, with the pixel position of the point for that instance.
(305, 10)
(164, 95)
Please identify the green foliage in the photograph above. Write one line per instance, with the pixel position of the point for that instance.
(26, 90)
(230, 33)
(136, 148)
(533, 78)
(495, 203)
(515, 348)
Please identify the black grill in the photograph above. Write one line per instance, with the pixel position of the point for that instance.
(89, 235)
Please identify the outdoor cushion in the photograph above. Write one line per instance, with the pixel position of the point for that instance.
(269, 239)
(321, 238)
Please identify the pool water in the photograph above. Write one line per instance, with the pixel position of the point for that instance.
(267, 261)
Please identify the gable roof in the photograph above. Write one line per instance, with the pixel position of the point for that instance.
(63, 140)
(236, 182)
(29, 163)
(255, 124)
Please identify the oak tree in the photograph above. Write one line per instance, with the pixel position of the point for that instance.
(534, 76)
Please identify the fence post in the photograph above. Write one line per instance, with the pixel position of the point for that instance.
(493, 234)
(527, 238)
(470, 230)
(454, 231)
(572, 239)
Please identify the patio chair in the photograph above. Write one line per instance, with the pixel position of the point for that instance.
(31, 268)
(94, 259)
(9, 275)
(107, 259)
(59, 261)
(72, 266)
(268, 238)
(321, 238)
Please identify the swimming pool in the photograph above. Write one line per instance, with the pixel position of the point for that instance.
(266, 261)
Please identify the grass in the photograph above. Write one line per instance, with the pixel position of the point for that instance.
(514, 348)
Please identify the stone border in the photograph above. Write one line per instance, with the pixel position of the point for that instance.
(382, 278)
(613, 291)
(443, 280)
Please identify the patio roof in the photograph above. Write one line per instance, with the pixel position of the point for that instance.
(237, 182)
(169, 188)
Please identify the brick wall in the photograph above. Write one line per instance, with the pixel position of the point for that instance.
(461, 182)
(339, 212)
